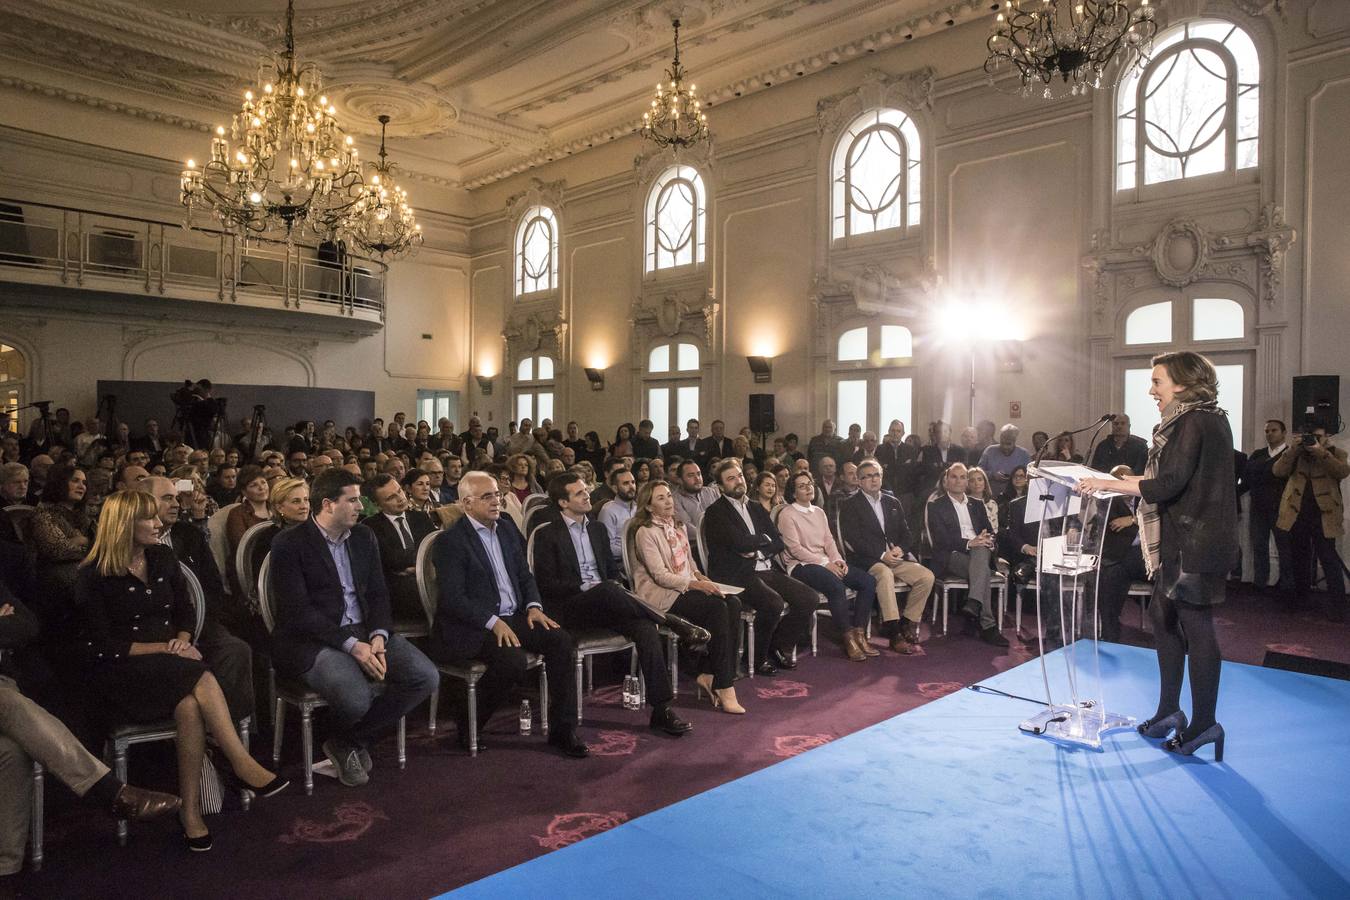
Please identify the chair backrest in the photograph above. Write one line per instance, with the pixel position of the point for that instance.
(219, 541)
(20, 514)
(532, 501)
(529, 546)
(265, 598)
(536, 517)
(839, 531)
(426, 578)
(243, 558)
(198, 598)
(702, 544)
(629, 547)
(775, 513)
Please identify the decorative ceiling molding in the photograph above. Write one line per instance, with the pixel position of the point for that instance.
(125, 109)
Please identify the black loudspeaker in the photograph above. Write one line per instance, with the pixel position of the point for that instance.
(1317, 402)
(761, 414)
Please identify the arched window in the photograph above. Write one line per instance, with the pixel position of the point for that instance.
(1214, 326)
(872, 377)
(672, 381)
(676, 220)
(534, 388)
(1193, 110)
(13, 381)
(537, 251)
(876, 175)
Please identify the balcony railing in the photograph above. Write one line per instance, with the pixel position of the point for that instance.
(45, 244)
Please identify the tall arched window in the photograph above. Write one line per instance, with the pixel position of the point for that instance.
(1193, 110)
(876, 174)
(534, 388)
(872, 377)
(672, 381)
(13, 379)
(676, 220)
(1213, 325)
(537, 251)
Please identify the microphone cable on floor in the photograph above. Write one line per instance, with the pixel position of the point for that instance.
(985, 689)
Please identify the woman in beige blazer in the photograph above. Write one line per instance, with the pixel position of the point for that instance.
(666, 579)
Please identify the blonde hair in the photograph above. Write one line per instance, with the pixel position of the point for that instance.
(281, 489)
(988, 489)
(111, 552)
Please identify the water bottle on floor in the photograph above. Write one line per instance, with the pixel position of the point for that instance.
(632, 692)
(526, 717)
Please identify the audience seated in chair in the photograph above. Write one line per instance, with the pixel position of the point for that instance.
(876, 537)
(136, 626)
(666, 580)
(398, 530)
(616, 513)
(578, 582)
(334, 626)
(811, 556)
(742, 544)
(963, 547)
(489, 610)
(28, 734)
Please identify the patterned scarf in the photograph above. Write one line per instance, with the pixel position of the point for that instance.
(1150, 523)
(678, 542)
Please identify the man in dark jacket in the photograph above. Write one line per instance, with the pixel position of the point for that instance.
(334, 626)
(488, 609)
(577, 579)
(644, 445)
(963, 547)
(742, 541)
(1120, 448)
(399, 531)
(1265, 490)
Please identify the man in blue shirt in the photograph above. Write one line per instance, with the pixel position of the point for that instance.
(488, 610)
(334, 626)
(999, 460)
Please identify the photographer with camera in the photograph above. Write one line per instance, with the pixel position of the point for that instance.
(1311, 510)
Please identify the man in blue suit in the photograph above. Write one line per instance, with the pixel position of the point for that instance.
(334, 626)
(489, 610)
(963, 547)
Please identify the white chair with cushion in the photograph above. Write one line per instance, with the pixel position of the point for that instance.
(218, 540)
(470, 673)
(298, 694)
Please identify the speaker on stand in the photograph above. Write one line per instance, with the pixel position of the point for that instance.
(761, 417)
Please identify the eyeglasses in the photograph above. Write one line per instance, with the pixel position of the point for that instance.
(870, 475)
(488, 498)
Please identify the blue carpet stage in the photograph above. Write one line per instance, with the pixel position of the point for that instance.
(951, 800)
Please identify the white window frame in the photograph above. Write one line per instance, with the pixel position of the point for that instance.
(872, 369)
(549, 219)
(672, 379)
(669, 179)
(534, 387)
(909, 193)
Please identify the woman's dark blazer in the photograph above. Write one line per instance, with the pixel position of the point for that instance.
(1193, 491)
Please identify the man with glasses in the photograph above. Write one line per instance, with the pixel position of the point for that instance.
(488, 609)
(875, 536)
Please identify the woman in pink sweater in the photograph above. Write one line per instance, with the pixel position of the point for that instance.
(812, 558)
(665, 579)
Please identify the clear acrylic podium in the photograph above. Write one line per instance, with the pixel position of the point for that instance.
(1068, 560)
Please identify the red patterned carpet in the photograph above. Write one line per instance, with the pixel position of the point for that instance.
(448, 820)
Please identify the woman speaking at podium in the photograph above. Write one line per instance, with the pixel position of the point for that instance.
(1188, 534)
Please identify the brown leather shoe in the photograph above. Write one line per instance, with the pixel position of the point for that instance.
(865, 645)
(139, 804)
(853, 645)
(902, 646)
(910, 631)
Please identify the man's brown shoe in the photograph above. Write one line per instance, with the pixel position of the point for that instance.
(902, 646)
(853, 645)
(139, 804)
(910, 631)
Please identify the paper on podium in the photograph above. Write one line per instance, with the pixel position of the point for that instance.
(1053, 562)
(1051, 491)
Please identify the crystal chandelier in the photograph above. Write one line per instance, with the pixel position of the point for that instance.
(1067, 43)
(290, 164)
(676, 118)
(385, 224)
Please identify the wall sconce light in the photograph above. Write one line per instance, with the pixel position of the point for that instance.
(597, 378)
(762, 366)
(484, 385)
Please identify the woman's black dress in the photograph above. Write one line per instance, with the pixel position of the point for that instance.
(119, 610)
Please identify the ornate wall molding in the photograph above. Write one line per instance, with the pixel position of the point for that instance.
(137, 341)
(872, 292)
(651, 163)
(533, 328)
(692, 313)
(539, 193)
(911, 92)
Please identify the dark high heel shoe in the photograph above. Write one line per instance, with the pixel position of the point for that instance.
(1162, 727)
(198, 844)
(1211, 735)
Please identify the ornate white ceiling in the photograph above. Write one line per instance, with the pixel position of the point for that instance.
(478, 89)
